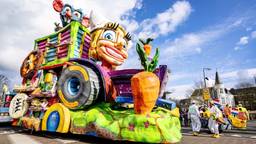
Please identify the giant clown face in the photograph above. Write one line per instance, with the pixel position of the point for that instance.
(111, 43)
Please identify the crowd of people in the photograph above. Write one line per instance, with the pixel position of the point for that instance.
(210, 116)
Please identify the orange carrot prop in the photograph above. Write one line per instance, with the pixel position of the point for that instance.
(145, 85)
(146, 45)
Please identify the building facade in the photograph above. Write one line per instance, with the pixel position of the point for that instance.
(220, 93)
(246, 97)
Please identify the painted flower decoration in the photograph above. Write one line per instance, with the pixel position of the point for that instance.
(131, 127)
(146, 124)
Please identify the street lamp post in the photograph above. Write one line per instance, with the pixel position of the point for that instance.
(206, 94)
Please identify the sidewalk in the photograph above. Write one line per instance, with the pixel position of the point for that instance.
(222, 140)
(233, 130)
(251, 129)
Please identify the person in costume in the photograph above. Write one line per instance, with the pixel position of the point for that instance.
(213, 124)
(227, 112)
(242, 112)
(194, 115)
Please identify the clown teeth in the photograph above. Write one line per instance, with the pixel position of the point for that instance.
(113, 53)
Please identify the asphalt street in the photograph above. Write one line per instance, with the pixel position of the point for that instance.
(15, 135)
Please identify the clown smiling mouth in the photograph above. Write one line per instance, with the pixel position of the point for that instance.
(115, 53)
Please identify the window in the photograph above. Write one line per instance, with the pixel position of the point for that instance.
(221, 90)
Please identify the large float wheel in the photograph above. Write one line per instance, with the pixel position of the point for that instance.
(56, 119)
(78, 87)
(18, 106)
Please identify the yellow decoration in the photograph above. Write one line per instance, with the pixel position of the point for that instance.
(86, 78)
(65, 102)
(48, 78)
(31, 123)
(82, 70)
(64, 114)
(238, 123)
(206, 114)
(175, 112)
(206, 94)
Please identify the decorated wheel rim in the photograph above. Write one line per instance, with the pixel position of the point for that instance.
(78, 87)
(18, 106)
(73, 86)
(56, 119)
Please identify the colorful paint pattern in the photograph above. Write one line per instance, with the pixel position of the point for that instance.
(104, 121)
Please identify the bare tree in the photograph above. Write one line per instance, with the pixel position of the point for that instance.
(198, 85)
(3, 85)
(3, 81)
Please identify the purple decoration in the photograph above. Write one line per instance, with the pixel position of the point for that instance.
(122, 79)
(65, 33)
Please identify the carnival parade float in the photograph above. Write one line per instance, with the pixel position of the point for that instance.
(70, 84)
(5, 99)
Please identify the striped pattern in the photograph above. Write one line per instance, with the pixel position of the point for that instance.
(41, 45)
(86, 46)
(95, 86)
(71, 42)
(63, 49)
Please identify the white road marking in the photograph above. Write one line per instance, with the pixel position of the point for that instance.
(21, 139)
(235, 135)
(8, 132)
(65, 141)
(253, 137)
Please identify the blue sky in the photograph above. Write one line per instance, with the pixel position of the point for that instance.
(190, 34)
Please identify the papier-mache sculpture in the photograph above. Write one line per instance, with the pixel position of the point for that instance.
(70, 84)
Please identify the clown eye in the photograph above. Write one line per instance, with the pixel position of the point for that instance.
(77, 14)
(124, 44)
(67, 9)
(124, 47)
(109, 35)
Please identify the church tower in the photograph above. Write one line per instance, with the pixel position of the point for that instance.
(219, 89)
(220, 93)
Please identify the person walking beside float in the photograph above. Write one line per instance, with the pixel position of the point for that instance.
(194, 115)
(227, 112)
(213, 123)
(242, 113)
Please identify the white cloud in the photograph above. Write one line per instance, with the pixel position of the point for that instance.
(179, 91)
(253, 34)
(243, 40)
(111, 10)
(23, 21)
(239, 74)
(231, 78)
(191, 43)
(248, 29)
(167, 21)
(210, 82)
(187, 44)
(195, 42)
(236, 48)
